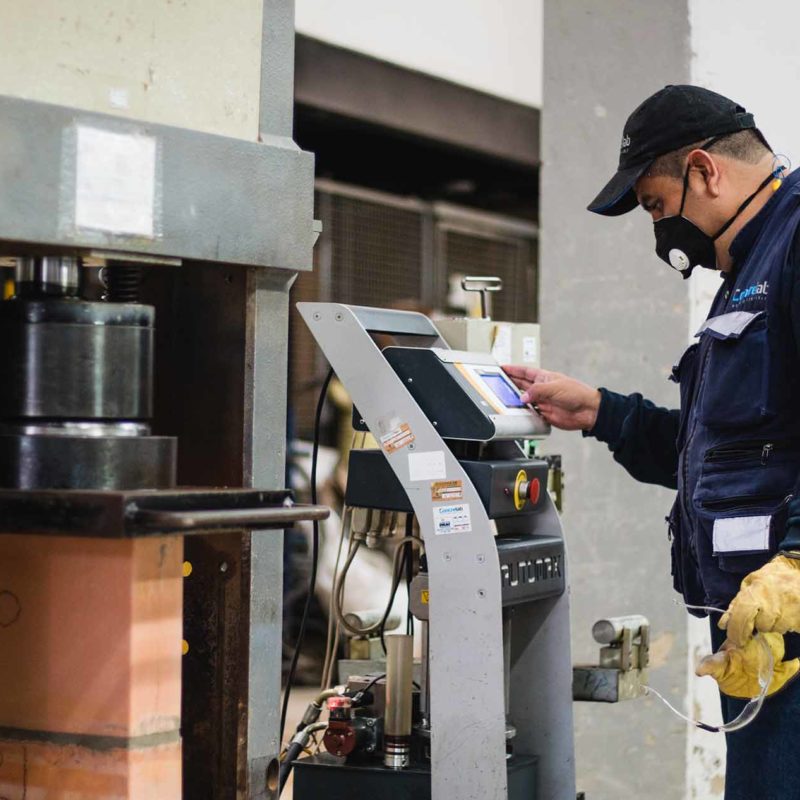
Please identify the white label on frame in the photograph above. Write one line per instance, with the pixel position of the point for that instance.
(115, 182)
(452, 519)
(427, 466)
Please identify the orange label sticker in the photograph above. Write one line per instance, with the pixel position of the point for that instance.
(398, 438)
(447, 491)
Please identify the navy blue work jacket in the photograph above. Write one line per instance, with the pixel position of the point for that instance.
(733, 449)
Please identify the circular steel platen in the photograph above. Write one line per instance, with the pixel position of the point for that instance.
(75, 360)
(87, 462)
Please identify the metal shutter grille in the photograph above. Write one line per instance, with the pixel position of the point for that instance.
(509, 259)
(376, 252)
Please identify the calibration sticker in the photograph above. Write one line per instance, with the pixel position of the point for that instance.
(397, 438)
(447, 491)
(452, 519)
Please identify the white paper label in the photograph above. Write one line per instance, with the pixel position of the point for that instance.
(115, 182)
(501, 347)
(452, 519)
(741, 534)
(530, 350)
(427, 466)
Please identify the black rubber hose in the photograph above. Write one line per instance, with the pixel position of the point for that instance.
(312, 581)
(294, 750)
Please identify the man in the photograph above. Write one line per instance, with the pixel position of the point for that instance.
(696, 162)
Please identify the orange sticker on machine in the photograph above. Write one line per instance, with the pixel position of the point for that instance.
(447, 491)
(397, 438)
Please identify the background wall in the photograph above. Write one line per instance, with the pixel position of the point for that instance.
(491, 45)
(613, 316)
(153, 60)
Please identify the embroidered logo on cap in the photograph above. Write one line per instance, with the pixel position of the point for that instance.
(626, 143)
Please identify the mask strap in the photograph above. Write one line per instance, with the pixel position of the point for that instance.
(743, 206)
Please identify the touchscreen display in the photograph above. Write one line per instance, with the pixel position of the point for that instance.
(503, 389)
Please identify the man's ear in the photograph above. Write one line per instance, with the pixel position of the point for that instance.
(704, 173)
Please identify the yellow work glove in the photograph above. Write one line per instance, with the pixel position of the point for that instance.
(737, 669)
(768, 600)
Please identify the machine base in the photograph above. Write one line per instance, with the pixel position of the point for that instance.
(325, 776)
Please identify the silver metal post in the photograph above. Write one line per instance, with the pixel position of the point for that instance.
(425, 679)
(47, 275)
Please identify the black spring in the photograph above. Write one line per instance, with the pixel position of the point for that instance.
(122, 283)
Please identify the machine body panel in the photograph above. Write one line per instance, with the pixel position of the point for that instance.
(474, 399)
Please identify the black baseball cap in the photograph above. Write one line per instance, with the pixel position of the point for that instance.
(672, 118)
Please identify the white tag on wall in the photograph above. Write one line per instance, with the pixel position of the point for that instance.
(741, 534)
(530, 350)
(501, 346)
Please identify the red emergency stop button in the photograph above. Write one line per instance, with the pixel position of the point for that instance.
(526, 491)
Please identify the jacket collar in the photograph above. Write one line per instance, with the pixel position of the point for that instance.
(746, 238)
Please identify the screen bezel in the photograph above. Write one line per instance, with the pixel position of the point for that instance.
(473, 373)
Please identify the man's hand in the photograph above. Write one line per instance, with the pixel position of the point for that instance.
(563, 402)
(737, 669)
(768, 600)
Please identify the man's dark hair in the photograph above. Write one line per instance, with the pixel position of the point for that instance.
(747, 146)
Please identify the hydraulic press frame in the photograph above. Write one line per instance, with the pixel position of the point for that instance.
(233, 224)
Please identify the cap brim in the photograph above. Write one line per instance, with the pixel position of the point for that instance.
(617, 196)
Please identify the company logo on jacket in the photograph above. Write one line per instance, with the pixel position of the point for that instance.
(757, 289)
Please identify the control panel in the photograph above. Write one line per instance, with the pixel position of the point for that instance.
(467, 396)
(506, 488)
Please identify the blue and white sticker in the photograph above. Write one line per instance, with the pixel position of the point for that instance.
(453, 518)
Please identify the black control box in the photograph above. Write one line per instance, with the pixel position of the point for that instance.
(371, 483)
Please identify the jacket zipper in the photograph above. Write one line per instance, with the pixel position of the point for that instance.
(741, 501)
(741, 451)
(698, 389)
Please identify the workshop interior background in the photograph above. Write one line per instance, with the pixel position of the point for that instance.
(458, 137)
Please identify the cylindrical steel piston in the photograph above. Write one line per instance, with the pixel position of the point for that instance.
(399, 688)
(76, 397)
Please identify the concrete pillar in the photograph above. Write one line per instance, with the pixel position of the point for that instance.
(614, 316)
(90, 665)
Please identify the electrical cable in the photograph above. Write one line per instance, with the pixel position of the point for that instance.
(409, 575)
(751, 708)
(332, 641)
(398, 568)
(312, 581)
(397, 573)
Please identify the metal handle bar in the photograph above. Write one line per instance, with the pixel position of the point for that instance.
(255, 518)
